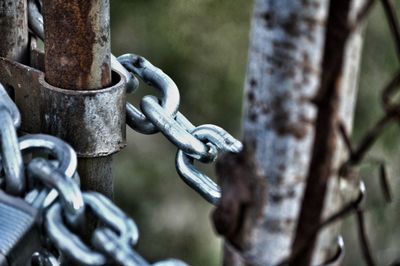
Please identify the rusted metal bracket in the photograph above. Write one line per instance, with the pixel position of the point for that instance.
(93, 122)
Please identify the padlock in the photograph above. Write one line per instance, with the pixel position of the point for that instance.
(19, 231)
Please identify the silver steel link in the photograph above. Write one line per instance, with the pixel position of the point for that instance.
(12, 162)
(202, 143)
(68, 190)
(111, 215)
(217, 136)
(11, 156)
(66, 241)
(107, 241)
(44, 258)
(176, 133)
(9, 105)
(71, 245)
(35, 19)
(222, 141)
(154, 77)
(64, 154)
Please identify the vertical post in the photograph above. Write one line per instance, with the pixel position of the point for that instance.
(14, 30)
(77, 57)
(283, 75)
(336, 101)
(301, 84)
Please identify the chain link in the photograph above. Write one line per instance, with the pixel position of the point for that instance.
(194, 143)
(156, 78)
(53, 187)
(66, 208)
(163, 115)
(10, 119)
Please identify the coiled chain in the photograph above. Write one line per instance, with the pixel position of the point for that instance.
(53, 187)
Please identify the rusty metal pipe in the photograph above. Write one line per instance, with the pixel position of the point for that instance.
(14, 30)
(77, 44)
(77, 57)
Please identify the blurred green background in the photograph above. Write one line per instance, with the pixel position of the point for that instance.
(202, 45)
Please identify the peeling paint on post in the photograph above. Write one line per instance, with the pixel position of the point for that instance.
(14, 30)
(77, 57)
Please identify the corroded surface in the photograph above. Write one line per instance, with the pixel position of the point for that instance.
(91, 121)
(77, 57)
(77, 46)
(14, 30)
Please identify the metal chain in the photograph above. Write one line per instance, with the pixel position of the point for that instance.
(10, 119)
(52, 186)
(194, 143)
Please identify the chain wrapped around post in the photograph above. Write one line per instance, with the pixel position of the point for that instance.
(201, 143)
(52, 186)
(50, 183)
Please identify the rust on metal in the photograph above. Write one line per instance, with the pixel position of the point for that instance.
(242, 198)
(25, 83)
(14, 30)
(77, 57)
(93, 128)
(93, 122)
(77, 44)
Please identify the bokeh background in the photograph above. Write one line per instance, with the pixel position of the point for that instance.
(203, 45)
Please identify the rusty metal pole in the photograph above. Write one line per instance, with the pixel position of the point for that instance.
(77, 57)
(14, 30)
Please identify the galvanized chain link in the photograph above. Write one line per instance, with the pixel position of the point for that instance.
(52, 187)
(10, 119)
(201, 143)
